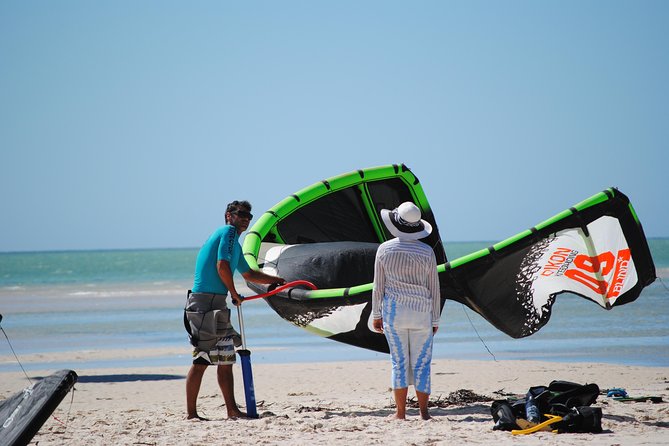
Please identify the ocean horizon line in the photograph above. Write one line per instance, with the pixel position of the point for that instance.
(185, 248)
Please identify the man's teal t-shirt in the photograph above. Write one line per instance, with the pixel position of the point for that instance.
(222, 245)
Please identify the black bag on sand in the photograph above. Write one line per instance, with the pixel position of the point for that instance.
(583, 419)
(566, 399)
(571, 394)
(562, 393)
(504, 415)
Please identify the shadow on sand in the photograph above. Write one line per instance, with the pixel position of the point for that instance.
(127, 377)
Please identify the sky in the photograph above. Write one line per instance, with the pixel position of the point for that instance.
(130, 124)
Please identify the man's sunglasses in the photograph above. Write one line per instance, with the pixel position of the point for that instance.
(243, 214)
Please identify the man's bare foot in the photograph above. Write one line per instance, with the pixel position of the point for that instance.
(237, 414)
(397, 416)
(426, 416)
(196, 417)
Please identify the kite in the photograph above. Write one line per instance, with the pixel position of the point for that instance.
(328, 234)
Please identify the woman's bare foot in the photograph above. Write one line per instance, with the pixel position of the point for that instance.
(426, 416)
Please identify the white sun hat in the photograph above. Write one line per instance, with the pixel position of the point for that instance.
(405, 223)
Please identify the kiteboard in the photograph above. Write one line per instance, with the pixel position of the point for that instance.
(24, 413)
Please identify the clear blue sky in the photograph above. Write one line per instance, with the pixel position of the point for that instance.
(129, 124)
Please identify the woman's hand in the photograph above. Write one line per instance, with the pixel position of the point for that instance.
(378, 325)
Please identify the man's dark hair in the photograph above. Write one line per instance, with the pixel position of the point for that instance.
(237, 205)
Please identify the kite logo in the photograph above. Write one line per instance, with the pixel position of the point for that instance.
(622, 270)
(592, 271)
(559, 262)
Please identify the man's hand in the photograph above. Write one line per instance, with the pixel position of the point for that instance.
(236, 299)
(378, 325)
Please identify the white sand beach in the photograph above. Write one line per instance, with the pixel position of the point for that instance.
(340, 403)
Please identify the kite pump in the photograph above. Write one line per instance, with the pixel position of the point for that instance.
(247, 373)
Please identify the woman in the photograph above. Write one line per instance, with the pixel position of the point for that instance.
(406, 303)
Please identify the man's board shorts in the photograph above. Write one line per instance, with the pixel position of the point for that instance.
(223, 353)
(207, 321)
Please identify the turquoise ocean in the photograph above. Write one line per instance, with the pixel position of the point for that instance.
(71, 304)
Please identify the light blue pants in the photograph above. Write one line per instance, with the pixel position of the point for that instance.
(409, 335)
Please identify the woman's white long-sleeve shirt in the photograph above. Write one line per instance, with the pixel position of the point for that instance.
(406, 271)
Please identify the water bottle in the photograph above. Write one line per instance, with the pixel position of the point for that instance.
(532, 413)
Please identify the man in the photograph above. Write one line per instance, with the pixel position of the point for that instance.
(207, 314)
(406, 303)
